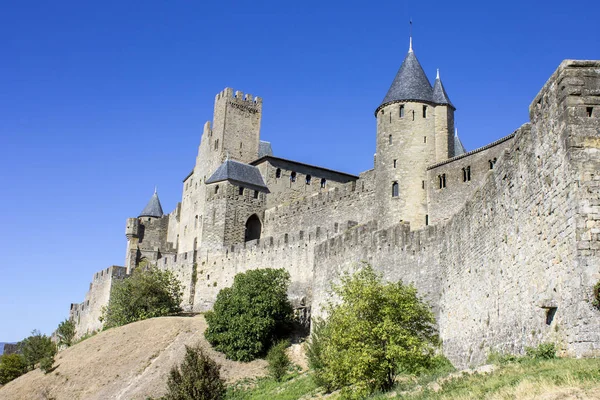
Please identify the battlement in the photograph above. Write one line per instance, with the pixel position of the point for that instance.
(114, 271)
(238, 96)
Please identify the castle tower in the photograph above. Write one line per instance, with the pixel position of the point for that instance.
(415, 124)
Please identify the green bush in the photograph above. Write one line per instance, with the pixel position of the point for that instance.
(35, 348)
(197, 378)
(66, 333)
(147, 293)
(251, 315)
(11, 366)
(46, 364)
(544, 351)
(377, 331)
(596, 299)
(314, 353)
(278, 360)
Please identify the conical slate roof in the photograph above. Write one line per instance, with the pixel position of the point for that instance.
(439, 93)
(410, 82)
(238, 172)
(153, 208)
(459, 149)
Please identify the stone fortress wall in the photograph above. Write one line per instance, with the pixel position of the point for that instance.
(507, 259)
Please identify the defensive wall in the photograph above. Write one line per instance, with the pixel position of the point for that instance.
(87, 314)
(515, 266)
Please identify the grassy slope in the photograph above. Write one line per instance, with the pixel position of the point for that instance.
(529, 379)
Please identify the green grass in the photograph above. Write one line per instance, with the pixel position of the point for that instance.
(292, 387)
(523, 378)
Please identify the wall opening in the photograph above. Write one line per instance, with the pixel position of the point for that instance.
(589, 111)
(424, 139)
(401, 111)
(442, 179)
(293, 177)
(216, 189)
(424, 111)
(426, 219)
(323, 182)
(395, 163)
(550, 313)
(308, 179)
(256, 194)
(390, 139)
(278, 173)
(241, 190)
(253, 228)
(395, 189)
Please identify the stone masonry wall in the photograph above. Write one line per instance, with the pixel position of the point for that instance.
(444, 202)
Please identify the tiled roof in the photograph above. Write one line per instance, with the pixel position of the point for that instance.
(238, 172)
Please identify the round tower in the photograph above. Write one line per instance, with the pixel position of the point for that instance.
(408, 128)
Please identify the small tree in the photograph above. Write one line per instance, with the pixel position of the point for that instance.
(36, 347)
(147, 293)
(377, 330)
(197, 378)
(66, 333)
(46, 364)
(278, 360)
(11, 366)
(251, 315)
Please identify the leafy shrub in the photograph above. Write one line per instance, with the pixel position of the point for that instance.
(66, 333)
(314, 353)
(251, 315)
(498, 358)
(46, 364)
(11, 366)
(197, 377)
(278, 360)
(376, 331)
(544, 351)
(35, 348)
(147, 293)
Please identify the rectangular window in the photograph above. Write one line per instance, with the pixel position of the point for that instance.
(256, 194)
(589, 111)
(402, 111)
(424, 111)
(395, 163)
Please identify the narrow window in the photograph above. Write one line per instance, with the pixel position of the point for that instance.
(308, 179)
(395, 189)
(293, 177)
(491, 164)
(323, 182)
(241, 190)
(422, 184)
(444, 179)
(256, 194)
(440, 180)
(424, 111)
(589, 111)
(217, 144)
(278, 173)
(196, 222)
(426, 219)
(464, 171)
(395, 163)
(413, 113)
(390, 139)
(390, 118)
(241, 145)
(469, 173)
(424, 139)
(216, 189)
(402, 111)
(550, 313)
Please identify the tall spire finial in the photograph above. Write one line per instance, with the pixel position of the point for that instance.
(410, 40)
(456, 132)
(438, 74)
(154, 189)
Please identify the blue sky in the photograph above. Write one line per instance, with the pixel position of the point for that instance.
(101, 101)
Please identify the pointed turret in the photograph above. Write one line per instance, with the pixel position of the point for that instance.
(459, 149)
(439, 92)
(153, 208)
(410, 82)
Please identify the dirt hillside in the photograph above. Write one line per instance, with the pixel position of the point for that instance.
(130, 362)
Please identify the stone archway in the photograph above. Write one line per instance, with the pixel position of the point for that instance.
(253, 228)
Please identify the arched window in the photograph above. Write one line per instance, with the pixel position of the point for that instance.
(241, 190)
(323, 182)
(308, 179)
(216, 189)
(402, 111)
(395, 189)
(464, 171)
(253, 228)
(278, 173)
(442, 179)
(293, 176)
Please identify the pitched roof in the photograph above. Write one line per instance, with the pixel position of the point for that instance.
(410, 82)
(153, 208)
(439, 92)
(238, 172)
(264, 149)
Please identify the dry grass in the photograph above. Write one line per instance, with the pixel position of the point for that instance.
(129, 362)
